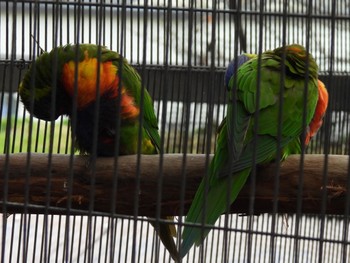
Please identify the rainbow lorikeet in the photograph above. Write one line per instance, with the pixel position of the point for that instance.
(70, 72)
(252, 125)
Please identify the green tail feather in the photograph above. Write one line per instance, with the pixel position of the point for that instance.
(165, 233)
(218, 191)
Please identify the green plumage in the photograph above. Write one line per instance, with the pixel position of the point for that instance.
(54, 79)
(44, 85)
(246, 115)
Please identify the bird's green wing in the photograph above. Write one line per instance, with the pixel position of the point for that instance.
(212, 197)
(132, 83)
(220, 192)
(251, 131)
(237, 117)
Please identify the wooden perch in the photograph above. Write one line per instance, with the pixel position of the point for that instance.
(14, 173)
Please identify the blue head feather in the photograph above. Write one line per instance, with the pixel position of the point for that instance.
(241, 59)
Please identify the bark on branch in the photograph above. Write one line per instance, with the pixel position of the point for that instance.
(61, 181)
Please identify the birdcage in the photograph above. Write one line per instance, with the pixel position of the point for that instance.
(60, 204)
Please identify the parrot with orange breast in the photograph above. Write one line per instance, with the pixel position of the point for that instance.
(76, 71)
(251, 124)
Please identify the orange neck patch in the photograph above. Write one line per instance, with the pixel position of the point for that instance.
(87, 84)
(86, 80)
(128, 108)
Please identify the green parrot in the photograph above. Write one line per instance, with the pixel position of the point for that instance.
(74, 70)
(252, 125)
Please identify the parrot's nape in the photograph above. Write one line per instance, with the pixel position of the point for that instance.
(56, 78)
(240, 132)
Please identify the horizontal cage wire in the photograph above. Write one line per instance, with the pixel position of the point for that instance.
(101, 151)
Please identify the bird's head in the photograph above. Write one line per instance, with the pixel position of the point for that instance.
(297, 59)
(41, 88)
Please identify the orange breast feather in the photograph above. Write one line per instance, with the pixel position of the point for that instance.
(87, 78)
(320, 110)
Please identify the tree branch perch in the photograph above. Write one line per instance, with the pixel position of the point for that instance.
(52, 187)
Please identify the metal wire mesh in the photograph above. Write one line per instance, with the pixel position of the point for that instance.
(180, 49)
